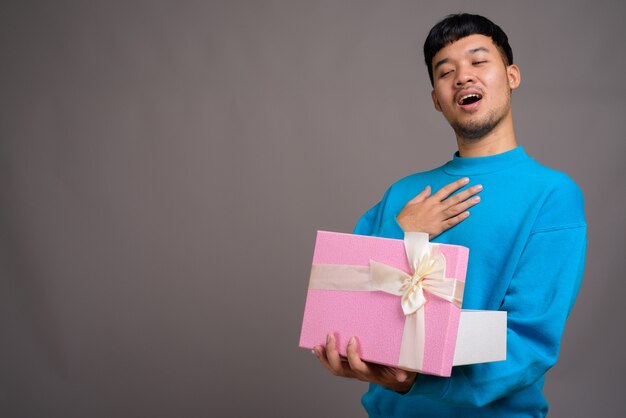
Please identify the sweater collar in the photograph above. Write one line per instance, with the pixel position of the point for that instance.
(482, 165)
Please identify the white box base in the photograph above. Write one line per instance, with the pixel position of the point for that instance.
(481, 337)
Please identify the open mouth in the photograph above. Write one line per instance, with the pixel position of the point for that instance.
(469, 99)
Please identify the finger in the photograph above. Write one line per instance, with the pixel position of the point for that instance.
(401, 375)
(356, 364)
(461, 207)
(386, 373)
(462, 196)
(320, 353)
(448, 189)
(449, 223)
(421, 196)
(332, 355)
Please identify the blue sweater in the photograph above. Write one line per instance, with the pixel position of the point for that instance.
(527, 241)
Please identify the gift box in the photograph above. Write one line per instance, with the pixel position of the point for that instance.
(401, 299)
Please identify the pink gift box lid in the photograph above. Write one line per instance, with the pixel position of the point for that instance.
(374, 317)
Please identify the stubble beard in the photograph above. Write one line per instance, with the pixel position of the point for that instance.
(476, 130)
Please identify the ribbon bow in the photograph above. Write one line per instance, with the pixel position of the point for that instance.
(429, 275)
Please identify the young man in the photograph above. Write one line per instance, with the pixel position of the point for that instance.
(527, 238)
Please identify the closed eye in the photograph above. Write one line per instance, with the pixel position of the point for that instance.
(478, 62)
(445, 74)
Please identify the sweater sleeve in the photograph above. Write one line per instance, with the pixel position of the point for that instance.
(538, 301)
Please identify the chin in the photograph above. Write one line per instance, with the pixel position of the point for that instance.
(474, 130)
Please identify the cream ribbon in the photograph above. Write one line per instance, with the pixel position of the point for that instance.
(429, 275)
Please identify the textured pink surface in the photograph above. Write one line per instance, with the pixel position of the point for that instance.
(349, 314)
(376, 318)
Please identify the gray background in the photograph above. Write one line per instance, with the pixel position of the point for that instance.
(164, 166)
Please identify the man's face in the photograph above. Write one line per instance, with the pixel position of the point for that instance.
(472, 86)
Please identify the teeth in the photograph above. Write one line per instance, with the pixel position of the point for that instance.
(467, 96)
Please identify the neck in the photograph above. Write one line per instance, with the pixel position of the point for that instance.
(499, 140)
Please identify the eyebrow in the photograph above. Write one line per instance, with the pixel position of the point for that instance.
(479, 49)
(471, 51)
(440, 63)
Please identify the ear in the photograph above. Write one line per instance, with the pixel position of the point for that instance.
(514, 76)
(435, 101)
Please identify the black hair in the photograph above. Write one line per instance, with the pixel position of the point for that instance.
(457, 26)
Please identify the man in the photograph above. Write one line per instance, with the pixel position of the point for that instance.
(527, 237)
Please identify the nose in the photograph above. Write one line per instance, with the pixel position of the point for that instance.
(464, 76)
